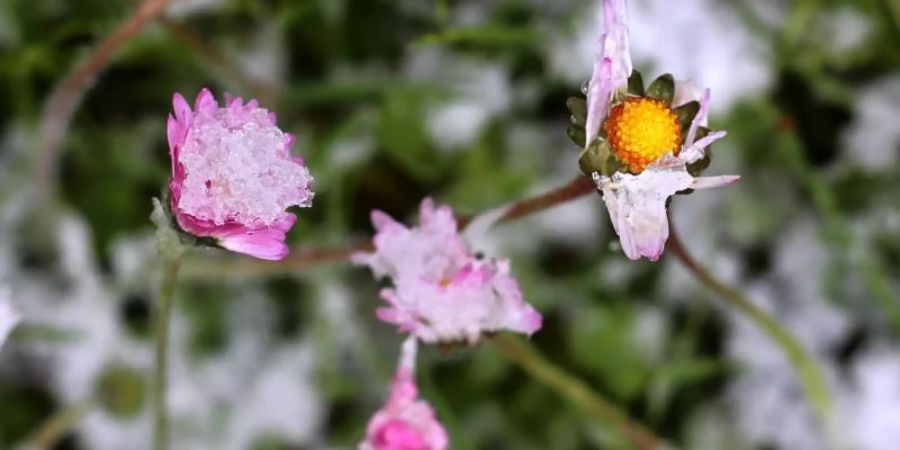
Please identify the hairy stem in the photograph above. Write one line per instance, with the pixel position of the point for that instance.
(808, 371)
(57, 426)
(575, 391)
(163, 318)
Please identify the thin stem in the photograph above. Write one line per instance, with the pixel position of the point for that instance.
(577, 188)
(575, 391)
(164, 315)
(58, 109)
(808, 371)
(305, 258)
(57, 426)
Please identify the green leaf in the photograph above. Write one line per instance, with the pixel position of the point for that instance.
(636, 84)
(662, 88)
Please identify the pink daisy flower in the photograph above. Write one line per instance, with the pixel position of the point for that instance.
(405, 422)
(442, 292)
(233, 175)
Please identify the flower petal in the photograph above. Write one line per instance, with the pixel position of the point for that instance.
(265, 243)
(600, 90)
(637, 208)
(711, 182)
(405, 422)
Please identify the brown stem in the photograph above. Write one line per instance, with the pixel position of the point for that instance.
(576, 188)
(58, 109)
(305, 257)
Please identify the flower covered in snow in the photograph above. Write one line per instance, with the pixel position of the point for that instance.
(9, 318)
(442, 292)
(405, 422)
(233, 175)
(641, 146)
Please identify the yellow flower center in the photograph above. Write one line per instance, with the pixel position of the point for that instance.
(640, 130)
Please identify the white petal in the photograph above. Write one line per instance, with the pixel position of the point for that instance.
(711, 182)
(695, 151)
(637, 208)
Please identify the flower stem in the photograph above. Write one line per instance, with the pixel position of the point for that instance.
(57, 426)
(164, 315)
(576, 391)
(808, 371)
(305, 258)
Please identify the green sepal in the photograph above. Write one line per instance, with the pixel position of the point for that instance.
(636, 84)
(594, 158)
(697, 167)
(686, 114)
(578, 107)
(662, 88)
(577, 135)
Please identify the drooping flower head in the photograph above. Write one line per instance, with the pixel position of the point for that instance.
(442, 292)
(233, 175)
(405, 422)
(641, 145)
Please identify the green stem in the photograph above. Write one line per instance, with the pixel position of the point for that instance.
(808, 371)
(57, 426)
(576, 391)
(164, 315)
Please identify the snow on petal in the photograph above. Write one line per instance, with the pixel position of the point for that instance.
(233, 175)
(442, 292)
(405, 422)
(637, 208)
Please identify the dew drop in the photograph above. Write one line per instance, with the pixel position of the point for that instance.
(585, 86)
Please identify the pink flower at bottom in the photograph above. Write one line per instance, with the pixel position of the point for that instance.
(405, 422)
(442, 292)
(233, 175)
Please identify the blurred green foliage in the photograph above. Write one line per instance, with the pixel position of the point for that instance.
(343, 85)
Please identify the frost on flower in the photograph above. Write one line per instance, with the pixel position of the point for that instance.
(9, 318)
(441, 291)
(405, 422)
(233, 175)
(641, 145)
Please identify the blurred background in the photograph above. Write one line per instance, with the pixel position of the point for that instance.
(462, 100)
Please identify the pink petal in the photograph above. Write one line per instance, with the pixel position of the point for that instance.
(381, 221)
(205, 101)
(600, 91)
(182, 109)
(266, 243)
(699, 119)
